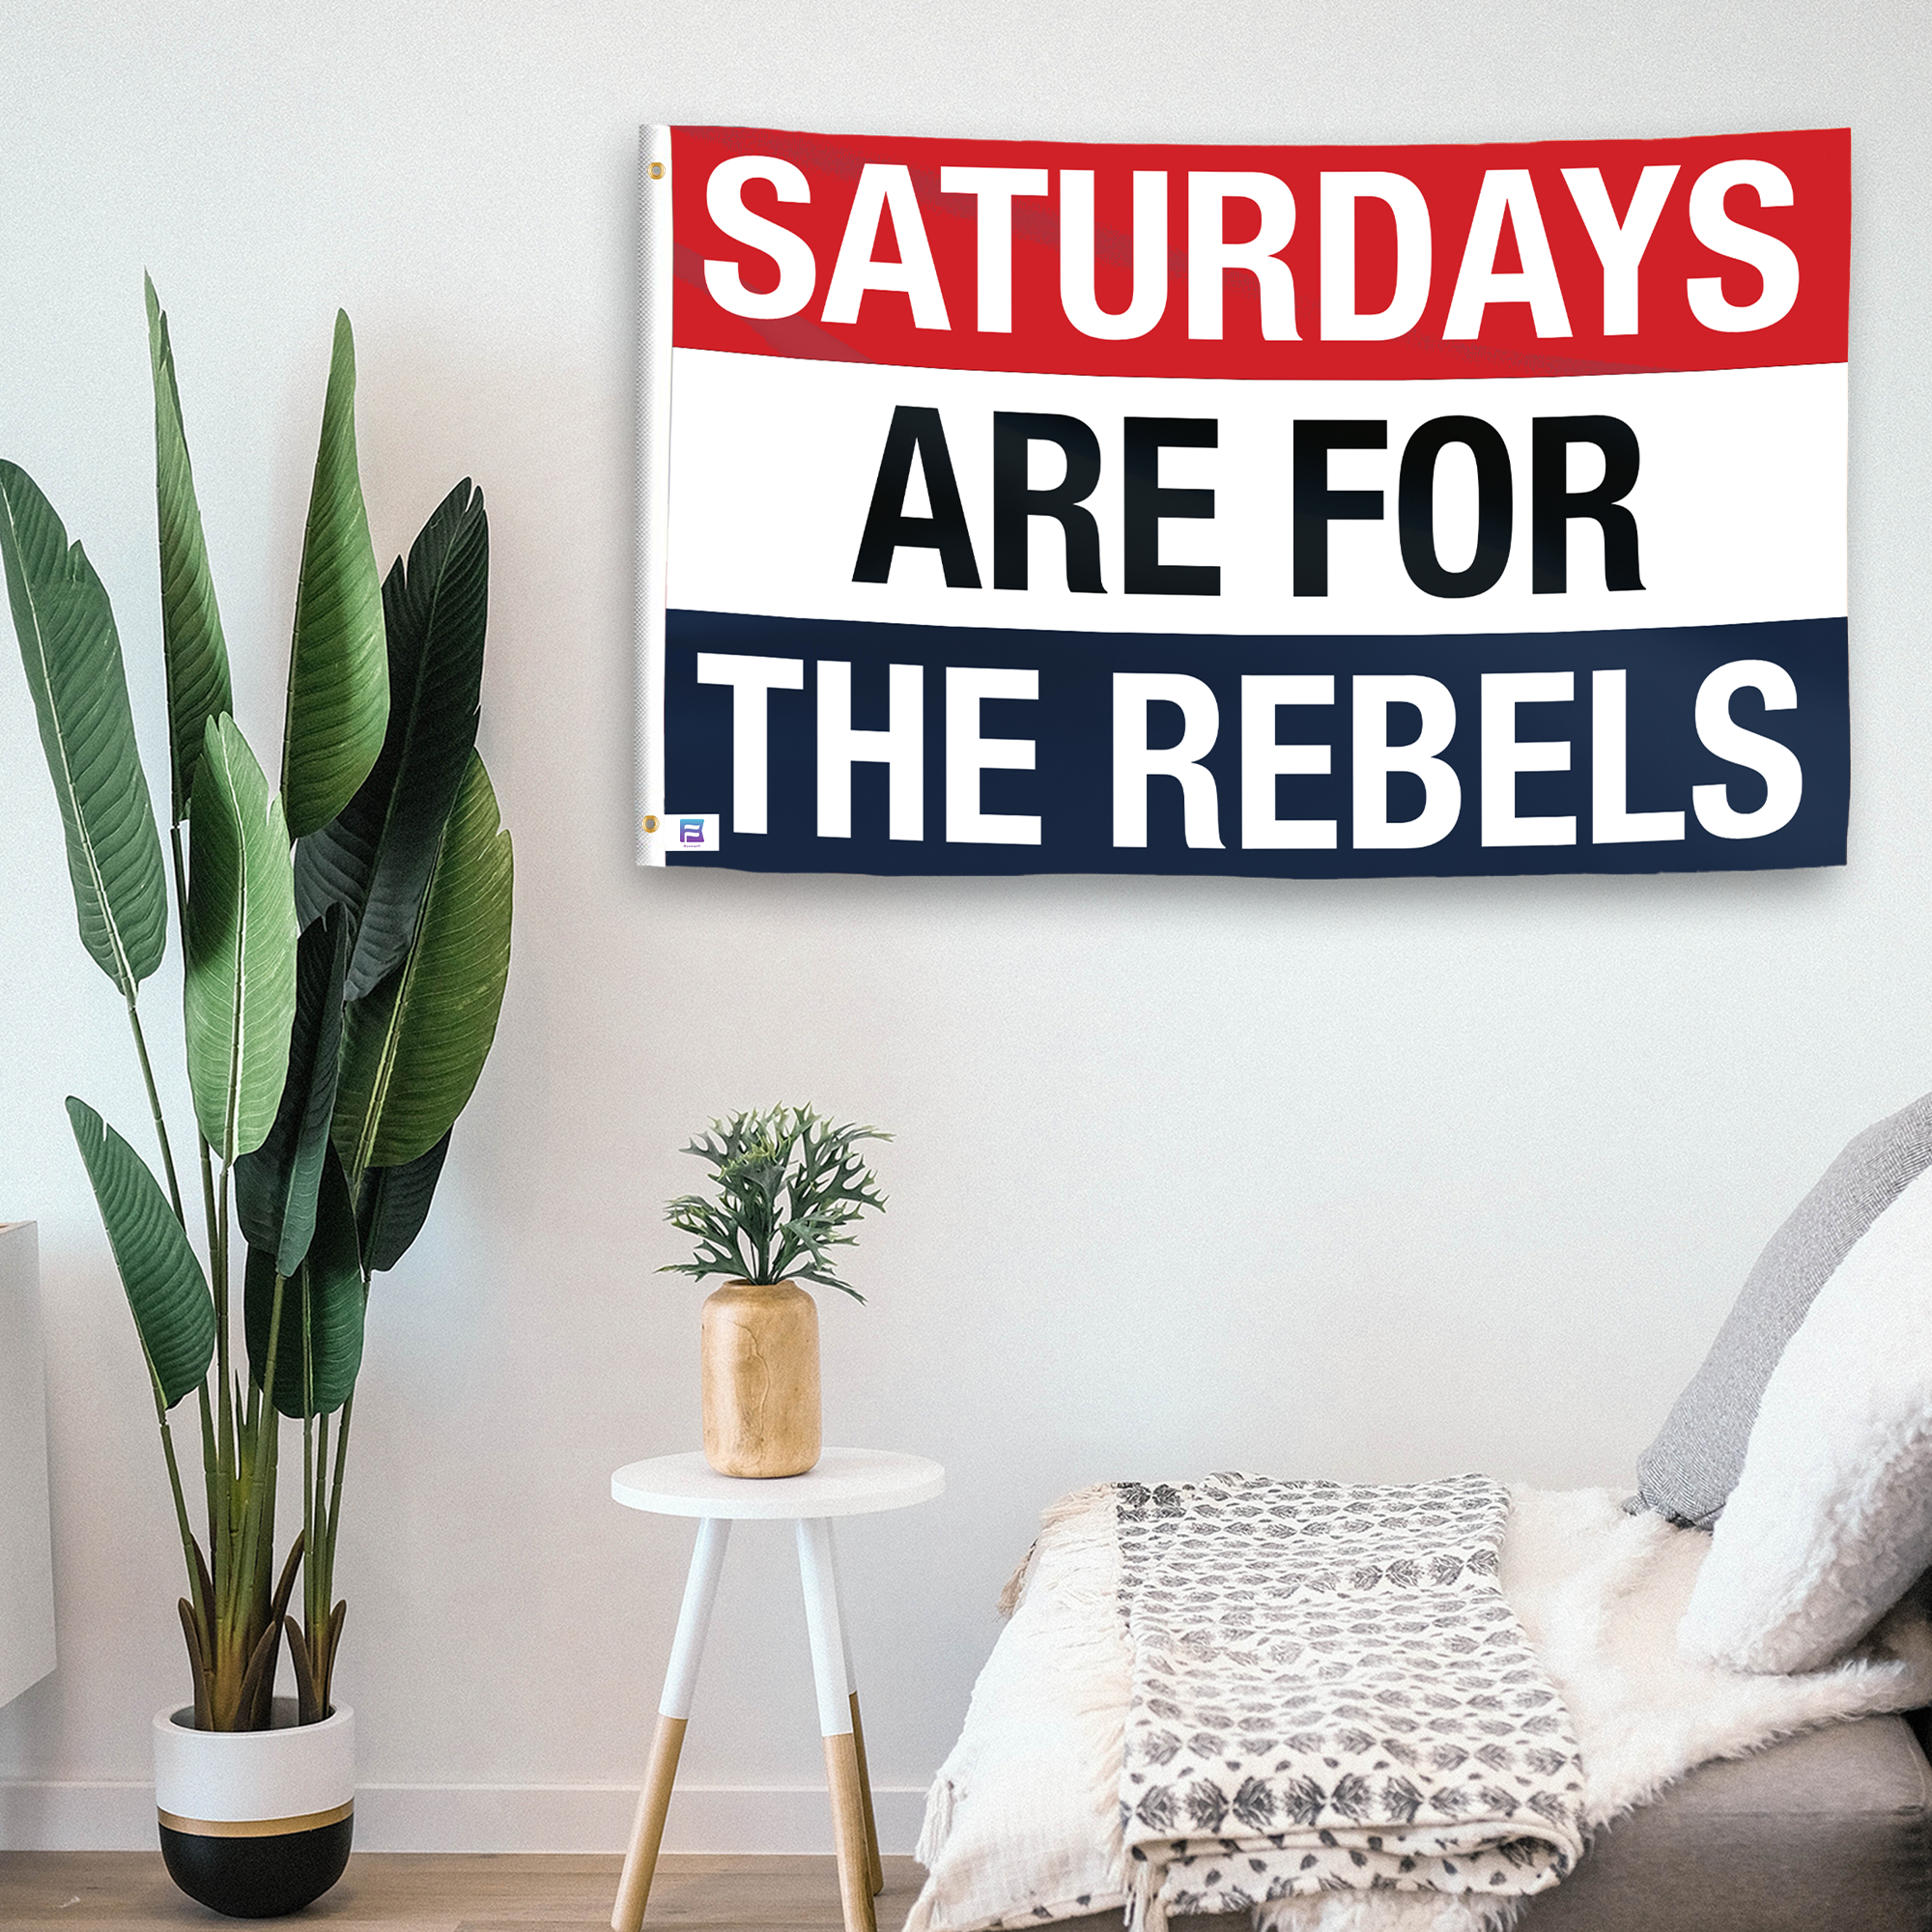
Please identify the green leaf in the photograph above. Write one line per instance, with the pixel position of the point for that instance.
(73, 657)
(338, 669)
(376, 857)
(394, 1205)
(239, 989)
(412, 1050)
(275, 1186)
(326, 1295)
(759, 1156)
(174, 1314)
(192, 646)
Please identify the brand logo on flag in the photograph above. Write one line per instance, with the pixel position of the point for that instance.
(694, 831)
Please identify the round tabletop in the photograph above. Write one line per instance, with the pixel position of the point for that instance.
(845, 1482)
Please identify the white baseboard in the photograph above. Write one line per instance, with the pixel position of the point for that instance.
(101, 1817)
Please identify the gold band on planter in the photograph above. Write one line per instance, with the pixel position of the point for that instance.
(255, 1827)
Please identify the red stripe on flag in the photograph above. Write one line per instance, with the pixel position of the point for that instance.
(1678, 274)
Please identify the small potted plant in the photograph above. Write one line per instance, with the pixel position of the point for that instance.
(790, 1188)
(346, 940)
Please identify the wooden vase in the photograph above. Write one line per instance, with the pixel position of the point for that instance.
(761, 1349)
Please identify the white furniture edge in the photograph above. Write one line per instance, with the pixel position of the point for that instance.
(846, 1482)
(26, 1540)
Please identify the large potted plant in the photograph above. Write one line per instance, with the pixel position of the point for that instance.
(790, 1188)
(345, 937)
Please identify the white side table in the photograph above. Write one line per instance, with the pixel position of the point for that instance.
(846, 1482)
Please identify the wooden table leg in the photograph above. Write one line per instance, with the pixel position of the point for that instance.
(818, 1579)
(877, 1863)
(701, 1591)
(641, 1861)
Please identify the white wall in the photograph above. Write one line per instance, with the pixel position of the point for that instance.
(1365, 1179)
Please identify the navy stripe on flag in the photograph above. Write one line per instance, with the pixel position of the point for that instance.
(1070, 789)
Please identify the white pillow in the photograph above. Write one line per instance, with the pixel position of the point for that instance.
(1831, 1522)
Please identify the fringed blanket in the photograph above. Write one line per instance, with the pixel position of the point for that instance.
(1023, 1823)
(1331, 1694)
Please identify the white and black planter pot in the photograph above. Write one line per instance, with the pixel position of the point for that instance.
(256, 1823)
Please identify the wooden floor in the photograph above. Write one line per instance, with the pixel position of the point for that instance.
(102, 1891)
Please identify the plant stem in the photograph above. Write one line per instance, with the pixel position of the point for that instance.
(208, 1212)
(201, 1139)
(334, 1517)
(308, 1472)
(154, 1107)
(209, 1454)
(226, 1461)
(315, 1576)
(201, 1608)
(219, 1495)
(331, 1522)
(261, 1488)
(211, 1477)
(308, 1526)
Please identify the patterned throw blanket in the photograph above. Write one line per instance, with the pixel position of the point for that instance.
(1329, 1692)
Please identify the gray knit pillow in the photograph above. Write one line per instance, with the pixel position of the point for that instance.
(1688, 1472)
